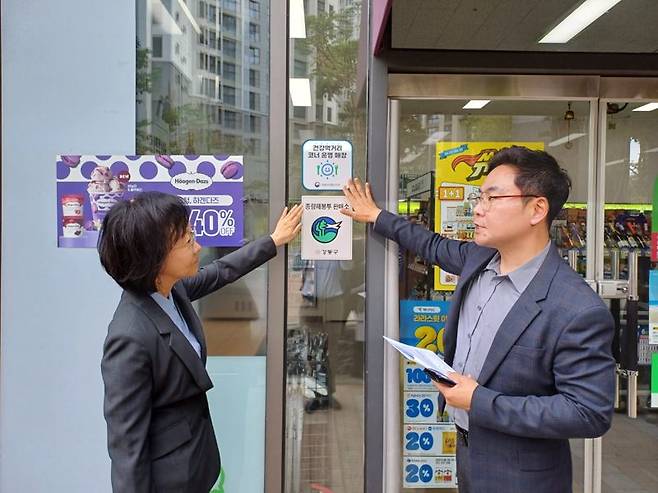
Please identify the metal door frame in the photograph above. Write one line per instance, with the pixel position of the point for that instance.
(594, 89)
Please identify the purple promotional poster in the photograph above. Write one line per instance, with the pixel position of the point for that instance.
(211, 186)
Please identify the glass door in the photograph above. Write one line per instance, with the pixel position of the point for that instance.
(628, 175)
(444, 147)
(604, 135)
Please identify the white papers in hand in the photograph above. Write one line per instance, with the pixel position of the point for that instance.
(424, 357)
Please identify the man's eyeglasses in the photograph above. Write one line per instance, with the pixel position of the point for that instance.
(484, 200)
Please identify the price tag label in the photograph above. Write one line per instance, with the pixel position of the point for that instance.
(429, 472)
(421, 407)
(415, 377)
(426, 440)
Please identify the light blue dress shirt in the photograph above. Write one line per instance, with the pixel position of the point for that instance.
(170, 308)
(488, 300)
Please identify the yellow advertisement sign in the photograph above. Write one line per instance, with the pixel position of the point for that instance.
(461, 167)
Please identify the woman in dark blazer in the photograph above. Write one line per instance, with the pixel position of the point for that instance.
(160, 435)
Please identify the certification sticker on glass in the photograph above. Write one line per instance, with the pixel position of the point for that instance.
(326, 164)
(326, 232)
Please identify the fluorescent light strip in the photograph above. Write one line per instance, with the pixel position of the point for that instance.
(647, 107)
(476, 104)
(297, 24)
(565, 139)
(300, 92)
(579, 19)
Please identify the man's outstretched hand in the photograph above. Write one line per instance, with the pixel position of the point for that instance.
(364, 209)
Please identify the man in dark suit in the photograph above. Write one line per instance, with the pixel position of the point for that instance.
(160, 435)
(530, 339)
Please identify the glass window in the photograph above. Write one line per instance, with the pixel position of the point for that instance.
(429, 178)
(229, 95)
(254, 101)
(157, 46)
(301, 68)
(254, 78)
(254, 9)
(254, 32)
(631, 173)
(254, 55)
(213, 39)
(178, 112)
(229, 71)
(229, 23)
(230, 48)
(325, 303)
(230, 5)
(231, 119)
(254, 124)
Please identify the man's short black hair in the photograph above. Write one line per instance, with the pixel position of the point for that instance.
(537, 173)
(137, 235)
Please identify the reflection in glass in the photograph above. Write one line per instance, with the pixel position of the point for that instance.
(192, 100)
(325, 330)
(425, 127)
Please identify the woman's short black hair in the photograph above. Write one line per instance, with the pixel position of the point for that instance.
(537, 173)
(137, 235)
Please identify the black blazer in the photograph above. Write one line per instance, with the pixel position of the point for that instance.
(160, 435)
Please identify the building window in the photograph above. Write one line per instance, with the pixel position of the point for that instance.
(329, 114)
(212, 14)
(254, 9)
(230, 24)
(213, 65)
(229, 71)
(157, 46)
(230, 119)
(230, 48)
(254, 33)
(318, 113)
(202, 10)
(300, 69)
(230, 5)
(254, 78)
(229, 95)
(212, 39)
(254, 101)
(321, 7)
(254, 55)
(254, 124)
(208, 87)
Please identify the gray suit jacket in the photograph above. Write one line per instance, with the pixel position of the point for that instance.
(548, 377)
(160, 436)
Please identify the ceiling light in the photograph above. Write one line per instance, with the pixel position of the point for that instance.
(579, 19)
(300, 92)
(476, 104)
(647, 107)
(566, 138)
(297, 24)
